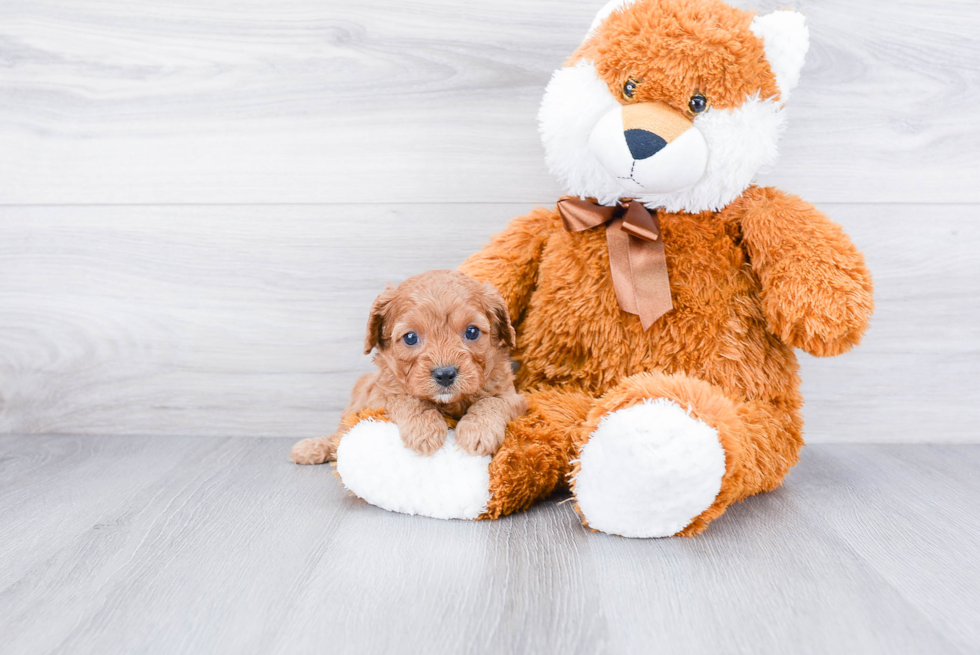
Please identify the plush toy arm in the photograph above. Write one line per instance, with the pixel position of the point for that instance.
(510, 261)
(816, 289)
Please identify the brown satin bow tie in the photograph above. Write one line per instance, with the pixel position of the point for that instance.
(636, 253)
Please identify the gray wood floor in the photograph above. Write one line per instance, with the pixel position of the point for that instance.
(213, 545)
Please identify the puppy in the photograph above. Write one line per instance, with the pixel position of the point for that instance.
(443, 343)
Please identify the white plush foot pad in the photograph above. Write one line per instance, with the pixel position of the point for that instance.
(649, 470)
(375, 465)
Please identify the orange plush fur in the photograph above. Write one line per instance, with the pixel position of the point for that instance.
(725, 351)
(750, 282)
(438, 307)
(657, 42)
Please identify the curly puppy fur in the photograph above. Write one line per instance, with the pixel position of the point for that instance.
(440, 308)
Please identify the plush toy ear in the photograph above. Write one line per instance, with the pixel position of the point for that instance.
(376, 321)
(496, 310)
(786, 38)
(606, 11)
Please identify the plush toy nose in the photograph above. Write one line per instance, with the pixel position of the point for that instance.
(643, 144)
(445, 375)
(649, 126)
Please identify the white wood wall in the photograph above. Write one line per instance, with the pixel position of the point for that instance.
(200, 198)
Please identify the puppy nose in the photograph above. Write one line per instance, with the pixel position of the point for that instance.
(445, 375)
(643, 144)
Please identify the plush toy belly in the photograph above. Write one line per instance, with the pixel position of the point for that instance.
(374, 464)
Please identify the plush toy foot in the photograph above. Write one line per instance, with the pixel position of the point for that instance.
(374, 464)
(648, 470)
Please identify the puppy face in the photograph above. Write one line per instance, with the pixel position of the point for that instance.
(440, 334)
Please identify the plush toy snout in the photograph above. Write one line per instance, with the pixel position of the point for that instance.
(649, 148)
(651, 123)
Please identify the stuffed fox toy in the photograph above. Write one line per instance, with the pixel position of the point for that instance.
(658, 305)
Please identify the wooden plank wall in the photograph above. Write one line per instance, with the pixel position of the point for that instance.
(199, 199)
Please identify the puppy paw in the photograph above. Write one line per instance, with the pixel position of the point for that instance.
(425, 433)
(477, 437)
(314, 451)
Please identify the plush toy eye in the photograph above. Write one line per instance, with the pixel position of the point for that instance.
(472, 333)
(629, 89)
(697, 104)
(411, 339)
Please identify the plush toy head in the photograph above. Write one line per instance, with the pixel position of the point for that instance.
(676, 103)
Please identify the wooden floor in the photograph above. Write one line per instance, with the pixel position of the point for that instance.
(211, 545)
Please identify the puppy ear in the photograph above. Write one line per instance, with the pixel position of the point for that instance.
(376, 321)
(499, 317)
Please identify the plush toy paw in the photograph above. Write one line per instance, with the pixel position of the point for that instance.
(648, 470)
(824, 321)
(376, 466)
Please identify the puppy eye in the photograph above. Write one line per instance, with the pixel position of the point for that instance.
(472, 333)
(629, 89)
(411, 339)
(697, 104)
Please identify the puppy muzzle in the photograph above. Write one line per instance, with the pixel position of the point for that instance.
(649, 147)
(445, 375)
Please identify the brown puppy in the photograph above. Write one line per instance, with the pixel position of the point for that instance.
(443, 343)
